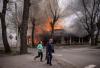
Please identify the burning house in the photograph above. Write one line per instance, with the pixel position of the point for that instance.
(66, 30)
(60, 36)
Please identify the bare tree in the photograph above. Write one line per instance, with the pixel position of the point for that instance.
(90, 11)
(3, 25)
(91, 19)
(52, 10)
(34, 17)
(24, 26)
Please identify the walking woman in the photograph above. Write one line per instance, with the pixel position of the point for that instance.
(40, 51)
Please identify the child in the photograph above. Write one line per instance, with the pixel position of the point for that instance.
(40, 51)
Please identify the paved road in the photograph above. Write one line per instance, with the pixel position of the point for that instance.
(27, 61)
(80, 57)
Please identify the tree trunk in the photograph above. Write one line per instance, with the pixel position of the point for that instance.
(33, 28)
(92, 40)
(24, 27)
(3, 26)
(98, 32)
(70, 40)
(92, 37)
(96, 38)
(32, 36)
(52, 31)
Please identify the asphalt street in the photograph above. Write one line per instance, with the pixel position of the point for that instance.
(80, 57)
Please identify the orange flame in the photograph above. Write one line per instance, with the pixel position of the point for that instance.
(47, 26)
(38, 30)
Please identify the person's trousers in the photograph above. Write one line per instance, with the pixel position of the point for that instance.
(49, 59)
(40, 54)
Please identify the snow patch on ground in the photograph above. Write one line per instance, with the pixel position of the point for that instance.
(91, 66)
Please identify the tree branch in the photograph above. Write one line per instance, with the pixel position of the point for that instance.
(85, 8)
(51, 9)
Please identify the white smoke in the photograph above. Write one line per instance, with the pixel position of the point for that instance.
(63, 4)
(70, 22)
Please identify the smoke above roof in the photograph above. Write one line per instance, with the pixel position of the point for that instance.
(71, 21)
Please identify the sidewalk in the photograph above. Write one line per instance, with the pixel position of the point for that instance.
(26, 61)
